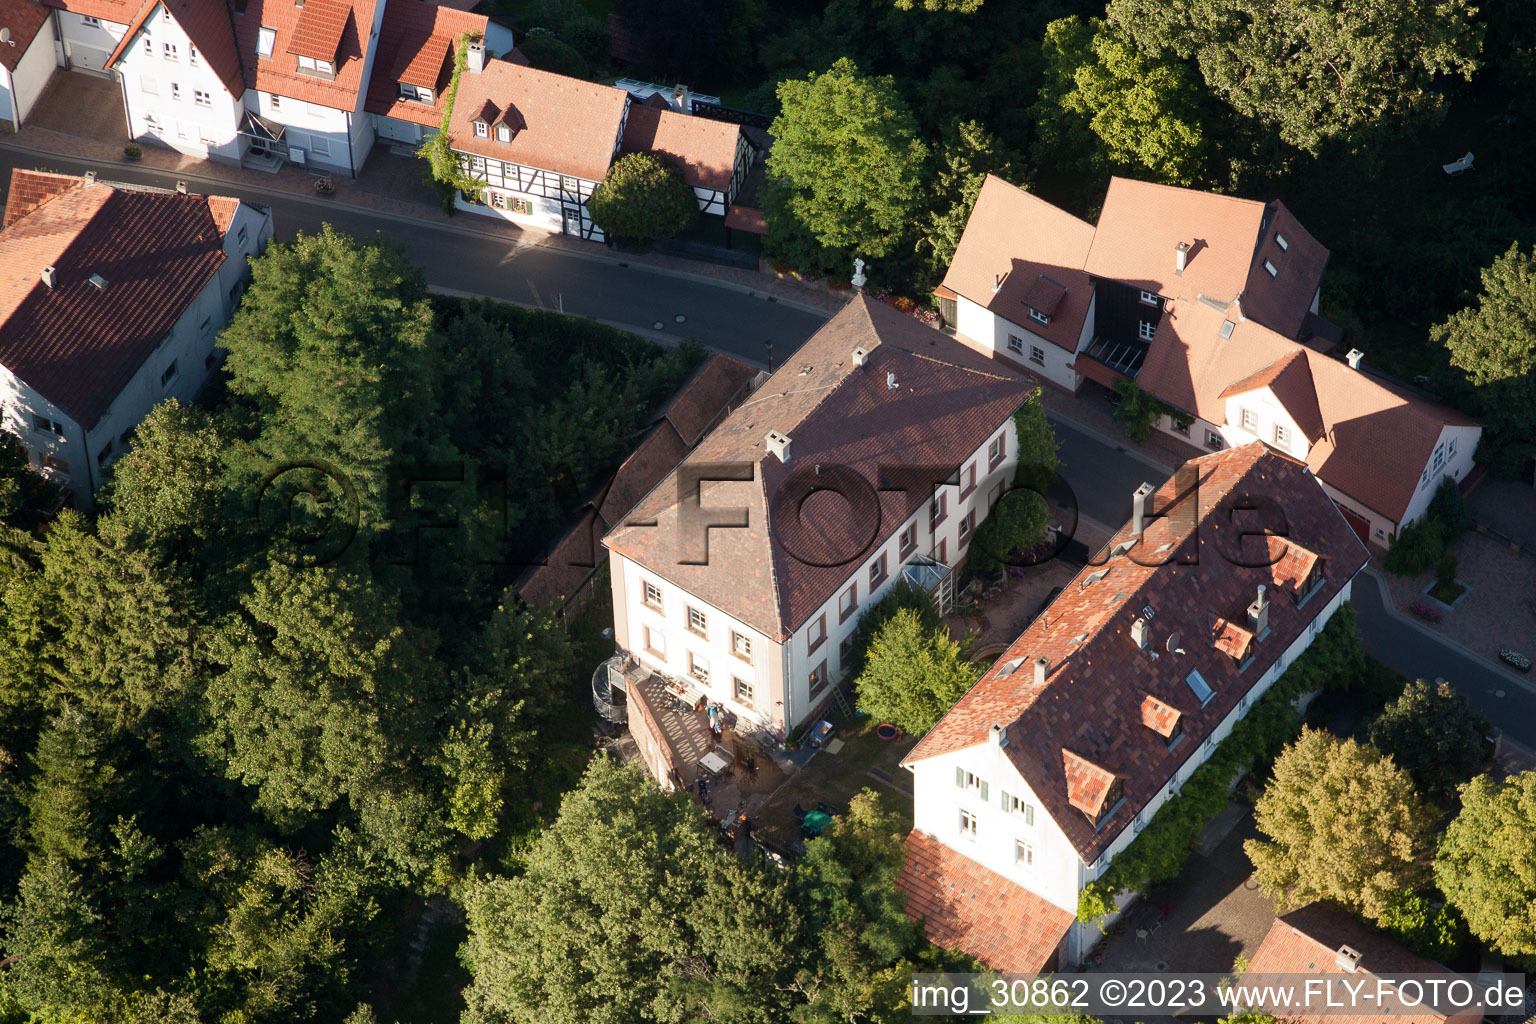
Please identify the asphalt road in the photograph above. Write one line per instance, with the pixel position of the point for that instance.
(458, 258)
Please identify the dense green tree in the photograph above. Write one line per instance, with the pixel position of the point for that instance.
(965, 160)
(846, 160)
(857, 939)
(166, 493)
(628, 911)
(24, 495)
(677, 38)
(1343, 824)
(1314, 70)
(64, 966)
(1494, 344)
(644, 198)
(1038, 455)
(1486, 864)
(912, 673)
(1015, 525)
(1428, 927)
(548, 52)
(1434, 735)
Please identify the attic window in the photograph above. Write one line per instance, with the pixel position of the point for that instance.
(1039, 317)
(1011, 666)
(1227, 326)
(482, 130)
(266, 38)
(1202, 690)
(503, 133)
(319, 67)
(1269, 268)
(1281, 242)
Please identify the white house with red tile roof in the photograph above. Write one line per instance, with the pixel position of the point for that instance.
(1210, 303)
(812, 521)
(1050, 765)
(27, 62)
(89, 30)
(713, 157)
(111, 298)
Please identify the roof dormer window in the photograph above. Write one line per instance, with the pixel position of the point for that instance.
(1150, 298)
(266, 39)
(1039, 317)
(503, 133)
(318, 67)
(1270, 269)
(482, 130)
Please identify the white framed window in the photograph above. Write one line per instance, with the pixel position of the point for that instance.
(877, 571)
(319, 146)
(498, 201)
(1039, 317)
(523, 206)
(849, 602)
(1439, 457)
(967, 824)
(503, 133)
(651, 594)
(1282, 435)
(201, 98)
(482, 130)
(1023, 854)
(149, 46)
(967, 524)
(169, 50)
(91, 22)
(743, 691)
(1450, 449)
(169, 374)
(995, 451)
(191, 54)
(698, 621)
(266, 38)
(1015, 344)
(906, 542)
(1150, 298)
(1270, 269)
(1145, 329)
(656, 642)
(741, 646)
(698, 666)
(970, 781)
(175, 91)
(968, 479)
(1250, 420)
(817, 634)
(148, 86)
(324, 67)
(1037, 354)
(938, 510)
(1013, 805)
(818, 678)
(277, 103)
(1214, 441)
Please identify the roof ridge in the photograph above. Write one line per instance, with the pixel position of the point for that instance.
(1181, 188)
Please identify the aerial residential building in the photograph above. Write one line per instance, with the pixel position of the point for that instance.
(713, 156)
(1210, 303)
(111, 297)
(874, 452)
(1050, 765)
(26, 59)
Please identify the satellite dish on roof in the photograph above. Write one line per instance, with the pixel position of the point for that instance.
(1173, 642)
(5, 36)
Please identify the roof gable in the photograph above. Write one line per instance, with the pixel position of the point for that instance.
(280, 75)
(1289, 379)
(416, 42)
(206, 25)
(317, 34)
(1202, 555)
(25, 19)
(702, 149)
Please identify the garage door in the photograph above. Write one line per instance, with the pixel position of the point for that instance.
(1361, 527)
(88, 58)
(399, 131)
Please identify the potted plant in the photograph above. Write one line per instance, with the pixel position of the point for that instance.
(1515, 658)
(133, 151)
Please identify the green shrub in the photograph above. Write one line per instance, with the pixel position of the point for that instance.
(1418, 547)
(1450, 508)
(1437, 932)
(644, 198)
(1139, 410)
(133, 151)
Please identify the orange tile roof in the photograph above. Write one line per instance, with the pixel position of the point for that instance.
(31, 189)
(1375, 439)
(967, 907)
(1289, 379)
(415, 41)
(1306, 941)
(704, 150)
(571, 126)
(777, 570)
(79, 345)
(318, 31)
(118, 12)
(206, 25)
(279, 74)
(1291, 566)
(25, 19)
(1183, 571)
(1159, 717)
(1087, 784)
(1019, 237)
(1230, 638)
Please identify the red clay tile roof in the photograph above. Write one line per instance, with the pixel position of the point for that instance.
(118, 12)
(1087, 784)
(223, 209)
(571, 126)
(657, 454)
(485, 113)
(318, 31)
(1306, 941)
(1020, 237)
(571, 561)
(1045, 295)
(699, 403)
(1291, 566)
(1289, 378)
(967, 907)
(704, 150)
(206, 24)
(24, 18)
(1375, 438)
(79, 345)
(1230, 638)
(949, 400)
(1183, 570)
(279, 74)
(415, 42)
(31, 189)
(1158, 717)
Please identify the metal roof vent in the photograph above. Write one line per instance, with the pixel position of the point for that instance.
(98, 282)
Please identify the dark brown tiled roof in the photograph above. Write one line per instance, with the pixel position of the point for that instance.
(319, 29)
(570, 126)
(777, 570)
(1096, 688)
(703, 150)
(24, 18)
(1305, 941)
(1289, 378)
(967, 907)
(1283, 302)
(79, 345)
(571, 561)
(205, 23)
(657, 454)
(698, 404)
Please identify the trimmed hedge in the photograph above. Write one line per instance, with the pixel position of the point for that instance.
(1335, 660)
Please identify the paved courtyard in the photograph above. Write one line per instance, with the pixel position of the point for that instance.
(83, 105)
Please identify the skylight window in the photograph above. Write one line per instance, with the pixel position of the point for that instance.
(1281, 242)
(1227, 326)
(1269, 268)
(1202, 690)
(266, 38)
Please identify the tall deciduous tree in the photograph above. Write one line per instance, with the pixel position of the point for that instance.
(1344, 824)
(1486, 865)
(1434, 735)
(1314, 70)
(643, 198)
(629, 911)
(1494, 343)
(965, 160)
(912, 673)
(847, 160)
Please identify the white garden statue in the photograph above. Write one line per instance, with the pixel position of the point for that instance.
(858, 273)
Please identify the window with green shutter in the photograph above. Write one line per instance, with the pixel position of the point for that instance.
(983, 783)
(959, 776)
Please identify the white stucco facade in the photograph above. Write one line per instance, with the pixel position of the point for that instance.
(85, 43)
(20, 89)
(172, 95)
(987, 332)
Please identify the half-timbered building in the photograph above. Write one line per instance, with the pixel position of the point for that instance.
(713, 156)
